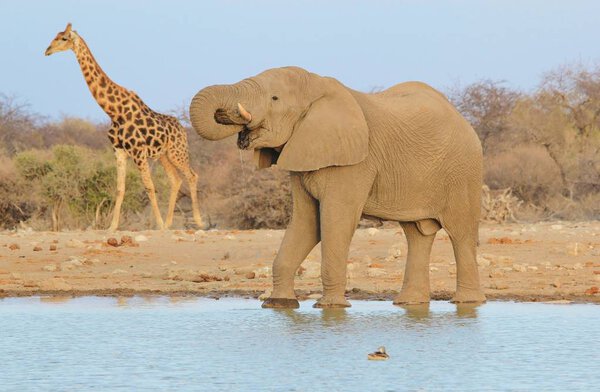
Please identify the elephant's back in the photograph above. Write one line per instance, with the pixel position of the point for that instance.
(422, 149)
(405, 89)
(419, 109)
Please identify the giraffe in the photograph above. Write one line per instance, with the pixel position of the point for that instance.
(136, 131)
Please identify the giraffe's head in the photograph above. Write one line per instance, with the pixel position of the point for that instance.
(64, 40)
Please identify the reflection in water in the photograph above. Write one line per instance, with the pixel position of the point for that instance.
(122, 301)
(327, 317)
(56, 299)
(467, 310)
(334, 316)
(418, 312)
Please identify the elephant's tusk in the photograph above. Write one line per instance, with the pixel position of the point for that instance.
(244, 113)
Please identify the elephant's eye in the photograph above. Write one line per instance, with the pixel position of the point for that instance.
(274, 98)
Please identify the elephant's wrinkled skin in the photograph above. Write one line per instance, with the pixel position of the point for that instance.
(403, 154)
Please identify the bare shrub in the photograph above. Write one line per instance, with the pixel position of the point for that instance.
(527, 170)
(499, 206)
(486, 105)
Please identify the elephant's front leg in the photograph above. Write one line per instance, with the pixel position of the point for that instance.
(300, 238)
(339, 216)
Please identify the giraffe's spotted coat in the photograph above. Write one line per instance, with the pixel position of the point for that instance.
(136, 130)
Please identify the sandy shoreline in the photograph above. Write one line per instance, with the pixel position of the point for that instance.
(522, 262)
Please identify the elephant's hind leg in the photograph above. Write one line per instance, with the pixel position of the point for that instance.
(415, 288)
(300, 238)
(468, 289)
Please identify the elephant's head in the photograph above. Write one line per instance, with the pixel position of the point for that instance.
(298, 119)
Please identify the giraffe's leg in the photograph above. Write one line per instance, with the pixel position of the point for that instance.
(175, 181)
(181, 161)
(121, 156)
(144, 168)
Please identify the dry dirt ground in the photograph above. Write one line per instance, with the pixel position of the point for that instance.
(525, 262)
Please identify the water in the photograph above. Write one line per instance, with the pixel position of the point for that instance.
(163, 344)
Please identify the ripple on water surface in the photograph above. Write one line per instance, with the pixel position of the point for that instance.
(167, 343)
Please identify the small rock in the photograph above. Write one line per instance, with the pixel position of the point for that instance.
(395, 251)
(519, 268)
(263, 271)
(14, 246)
(87, 261)
(532, 268)
(127, 240)
(372, 231)
(230, 237)
(37, 248)
(140, 238)
(50, 268)
(226, 256)
(592, 290)
(250, 275)
(375, 272)
(52, 247)
(556, 227)
(112, 241)
(482, 261)
(496, 274)
(75, 243)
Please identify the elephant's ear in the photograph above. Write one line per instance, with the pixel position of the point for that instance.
(332, 132)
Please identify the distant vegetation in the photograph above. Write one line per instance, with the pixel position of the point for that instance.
(541, 148)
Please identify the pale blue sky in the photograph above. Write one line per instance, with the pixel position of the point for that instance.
(167, 50)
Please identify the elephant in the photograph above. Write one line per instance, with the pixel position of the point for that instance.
(404, 154)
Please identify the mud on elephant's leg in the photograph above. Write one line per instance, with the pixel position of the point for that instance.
(415, 288)
(300, 238)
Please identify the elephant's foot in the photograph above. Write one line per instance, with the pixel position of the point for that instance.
(468, 296)
(411, 298)
(332, 302)
(281, 303)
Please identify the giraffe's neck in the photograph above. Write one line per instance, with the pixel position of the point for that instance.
(104, 90)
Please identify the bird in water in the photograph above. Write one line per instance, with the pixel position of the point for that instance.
(379, 355)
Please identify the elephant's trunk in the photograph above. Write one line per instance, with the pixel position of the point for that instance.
(215, 110)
